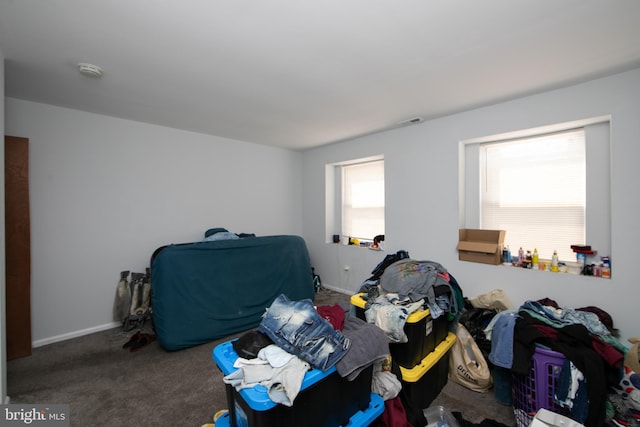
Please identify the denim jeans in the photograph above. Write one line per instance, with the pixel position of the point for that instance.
(296, 327)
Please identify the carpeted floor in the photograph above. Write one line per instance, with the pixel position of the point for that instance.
(107, 385)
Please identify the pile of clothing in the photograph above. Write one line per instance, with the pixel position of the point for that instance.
(294, 337)
(400, 286)
(589, 382)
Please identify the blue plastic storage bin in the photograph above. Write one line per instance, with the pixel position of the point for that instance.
(325, 398)
(359, 419)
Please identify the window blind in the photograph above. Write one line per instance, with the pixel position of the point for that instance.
(363, 200)
(535, 189)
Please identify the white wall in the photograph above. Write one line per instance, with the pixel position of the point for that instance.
(421, 174)
(106, 192)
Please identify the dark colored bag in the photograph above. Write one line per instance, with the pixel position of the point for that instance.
(133, 300)
(475, 320)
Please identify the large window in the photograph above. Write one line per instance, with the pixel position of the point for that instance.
(355, 202)
(536, 189)
(548, 187)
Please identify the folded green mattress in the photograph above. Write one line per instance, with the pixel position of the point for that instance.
(207, 290)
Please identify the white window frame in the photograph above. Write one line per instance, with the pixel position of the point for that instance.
(334, 199)
(598, 179)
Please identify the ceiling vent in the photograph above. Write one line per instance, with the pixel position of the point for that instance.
(90, 70)
(412, 121)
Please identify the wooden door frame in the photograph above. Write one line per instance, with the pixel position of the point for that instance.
(17, 248)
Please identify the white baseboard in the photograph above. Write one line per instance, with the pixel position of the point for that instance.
(75, 334)
(336, 289)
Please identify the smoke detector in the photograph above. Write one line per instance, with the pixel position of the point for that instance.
(90, 70)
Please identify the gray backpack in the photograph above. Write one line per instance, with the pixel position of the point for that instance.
(133, 300)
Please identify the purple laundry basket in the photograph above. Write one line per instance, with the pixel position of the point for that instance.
(536, 390)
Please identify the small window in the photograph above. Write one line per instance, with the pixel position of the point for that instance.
(363, 200)
(355, 199)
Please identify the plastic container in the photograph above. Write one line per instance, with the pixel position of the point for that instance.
(573, 267)
(547, 418)
(438, 416)
(360, 418)
(423, 332)
(606, 267)
(325, 398)
(536, 390)
(554, 262)
(441, 324)
(424, 382)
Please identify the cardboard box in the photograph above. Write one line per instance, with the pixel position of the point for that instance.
(484, 246)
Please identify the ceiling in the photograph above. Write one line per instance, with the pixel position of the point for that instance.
(299, 74)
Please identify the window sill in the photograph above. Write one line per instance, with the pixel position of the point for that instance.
(562, 270)
(360, 246)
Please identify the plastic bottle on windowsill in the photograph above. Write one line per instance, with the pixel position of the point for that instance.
(520, 256)
(606, 267)
(554, 262)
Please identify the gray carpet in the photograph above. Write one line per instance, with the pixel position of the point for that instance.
(106, 385)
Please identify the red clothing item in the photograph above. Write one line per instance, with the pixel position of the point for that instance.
(605, 350)
(608, 352)
(445, 276)
(394, 415)
(334, 314)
